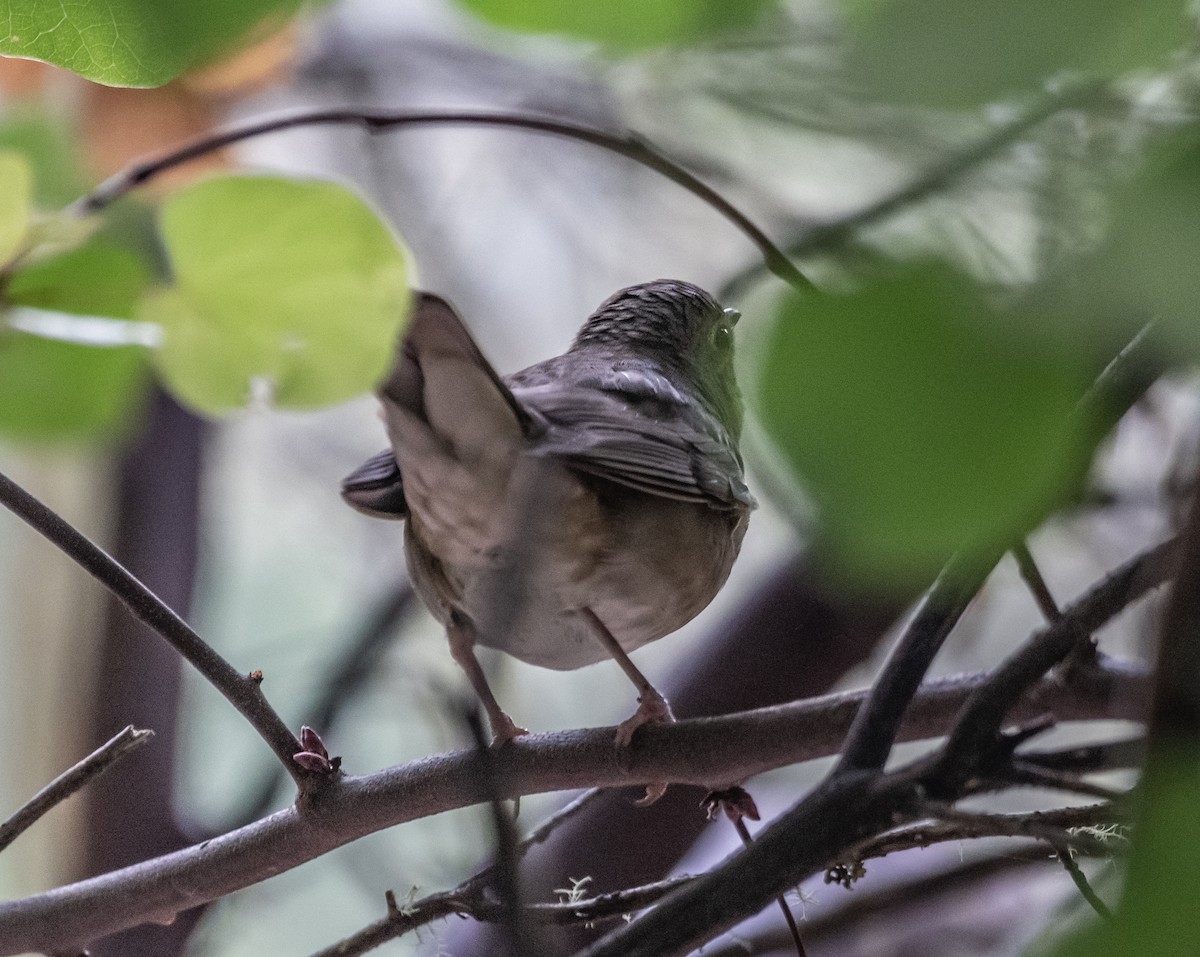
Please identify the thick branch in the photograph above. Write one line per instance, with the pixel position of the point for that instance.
(240, 690)
(874, 731)
(62, 787)
(698, 751)
(624, 144)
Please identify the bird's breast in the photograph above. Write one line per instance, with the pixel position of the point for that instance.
(646, 565)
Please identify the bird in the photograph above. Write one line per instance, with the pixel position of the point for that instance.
(575, 510)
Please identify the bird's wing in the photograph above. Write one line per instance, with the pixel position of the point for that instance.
(636, 429)
(376, 487)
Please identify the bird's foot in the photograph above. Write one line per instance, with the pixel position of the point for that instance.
(504, 729)
(653, 708)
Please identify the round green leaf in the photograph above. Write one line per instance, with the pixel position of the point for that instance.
(130, 42)
(950, 53)
(54, 391)
(624, 24)
(294, 286)
(16, 198)
(921, 420)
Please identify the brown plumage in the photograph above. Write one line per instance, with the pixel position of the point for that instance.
(578, 509)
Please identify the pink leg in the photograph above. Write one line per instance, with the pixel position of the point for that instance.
(461, 633)
(653, 708)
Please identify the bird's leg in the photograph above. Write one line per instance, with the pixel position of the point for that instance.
(653, 708)
(461, 633)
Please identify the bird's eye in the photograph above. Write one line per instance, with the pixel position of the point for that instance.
(722, 335)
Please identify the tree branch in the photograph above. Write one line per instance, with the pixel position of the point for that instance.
(62, 787)
(626, 144)
(240, 690)
(1034, 825)
(697, 751)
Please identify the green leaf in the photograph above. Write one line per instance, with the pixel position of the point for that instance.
(921, 419)
(624, 24)
(293, 283)
(60, 391)
(99, 279)
(51, 150)
(951, 53)
(16, 198)
(130, 42)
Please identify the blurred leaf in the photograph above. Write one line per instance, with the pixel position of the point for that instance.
(99, 279)
(921, 418)
(130, 42)
(16, 198)
(50, 149)
(55, 390)
(950, 53)
(297, 283)
(624, 24)
(1148, 268)
(1158, 913)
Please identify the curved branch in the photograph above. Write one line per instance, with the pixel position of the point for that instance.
(697, 751)
(627, 144)
(242, 691)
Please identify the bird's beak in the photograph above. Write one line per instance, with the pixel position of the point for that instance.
(733, 316)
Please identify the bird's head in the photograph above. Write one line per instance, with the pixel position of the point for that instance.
(679, 328)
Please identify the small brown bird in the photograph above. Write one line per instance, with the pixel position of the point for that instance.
(578, 509)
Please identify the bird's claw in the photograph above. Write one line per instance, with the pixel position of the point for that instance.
(504, 729)
(653, 708)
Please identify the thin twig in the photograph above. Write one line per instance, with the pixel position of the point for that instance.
(354, 667)
(957, 826)
(242, 691)
(62, 787)
(625, 144)
(1037, 584)
(471, 897)
(1063, 851)
(1105, 756)
(788, 916)
(944, 173)
(1022, 773)
(505, 879)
